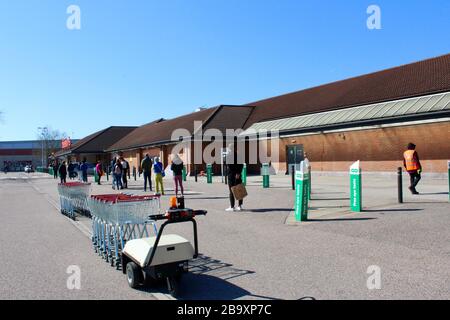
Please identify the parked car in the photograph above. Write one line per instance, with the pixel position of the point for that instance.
(28, 169)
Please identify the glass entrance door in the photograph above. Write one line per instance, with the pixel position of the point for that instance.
(294, 156)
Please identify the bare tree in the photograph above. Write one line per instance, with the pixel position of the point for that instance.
(50, 142)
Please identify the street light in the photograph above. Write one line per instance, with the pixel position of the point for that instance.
(42, 129)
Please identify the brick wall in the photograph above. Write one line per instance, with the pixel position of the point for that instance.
(378, 149)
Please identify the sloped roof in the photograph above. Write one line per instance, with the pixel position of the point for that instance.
(98, 141)
(154, 134)
(435, 105)
(410, 80)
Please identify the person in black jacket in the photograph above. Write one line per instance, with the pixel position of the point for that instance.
(234, 171)
(62, 170)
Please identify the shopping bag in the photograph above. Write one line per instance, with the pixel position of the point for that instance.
(239, 191)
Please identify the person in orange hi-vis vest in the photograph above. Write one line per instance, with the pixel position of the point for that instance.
(412, 165)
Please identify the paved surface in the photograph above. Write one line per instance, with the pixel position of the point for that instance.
(38, 245)
(256, 254)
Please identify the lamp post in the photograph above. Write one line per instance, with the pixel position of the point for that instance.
(42, 129)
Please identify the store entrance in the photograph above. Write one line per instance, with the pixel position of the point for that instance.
(294, 156)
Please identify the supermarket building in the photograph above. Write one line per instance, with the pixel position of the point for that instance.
(370, 118)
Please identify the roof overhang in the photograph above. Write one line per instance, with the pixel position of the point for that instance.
(412, 109)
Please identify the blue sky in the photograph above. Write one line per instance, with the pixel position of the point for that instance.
(137, 60)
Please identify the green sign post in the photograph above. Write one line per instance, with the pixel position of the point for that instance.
(95, 176)
(301, 193)
(308, 165)
(448, 165)
(355, 187)
(244, 175)
(265, 174)
(209, 173)
(184, 173)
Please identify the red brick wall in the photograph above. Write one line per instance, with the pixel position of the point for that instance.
(378, 149)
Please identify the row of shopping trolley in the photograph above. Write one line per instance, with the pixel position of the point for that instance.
(73, 197)
(116, 218)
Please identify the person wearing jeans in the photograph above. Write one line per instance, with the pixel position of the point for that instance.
(177, 169)
(117, 171)
(84, 169)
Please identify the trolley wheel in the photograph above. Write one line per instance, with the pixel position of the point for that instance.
(173, 286)
(134, 275)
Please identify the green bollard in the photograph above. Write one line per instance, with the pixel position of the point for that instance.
(209, 173)
(184, 173)
(448, 165)
(244, 174)
(265, 174)
(309, 183)
(301, 193)
(355, 187)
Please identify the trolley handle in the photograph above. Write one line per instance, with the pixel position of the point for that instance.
(158, 217)
(200, 212)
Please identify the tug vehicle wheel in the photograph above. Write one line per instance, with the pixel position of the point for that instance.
(134, 275)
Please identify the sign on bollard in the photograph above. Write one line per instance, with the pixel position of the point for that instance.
(244, 175)
(265, 173)
(209, 173)
(355, 187)
(301, 193)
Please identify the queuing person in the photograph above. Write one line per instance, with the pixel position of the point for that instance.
(125, 171)
(177, 169)
(71, 170)
(55, 168)
(99, 171)
(412, 164)
(234, 171)
(158, 169)
(62, 171)
(117, 172)
(111, 170)
(146, 168)
(84, 169)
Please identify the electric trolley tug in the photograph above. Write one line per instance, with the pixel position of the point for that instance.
(164, 256)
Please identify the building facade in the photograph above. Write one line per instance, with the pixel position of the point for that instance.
(370, 118)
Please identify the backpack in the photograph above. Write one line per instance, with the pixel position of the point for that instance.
(117, 170)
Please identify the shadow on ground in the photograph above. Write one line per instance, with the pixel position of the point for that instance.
(208, 279)
(340, 219)
(269, 210)
(391, 210)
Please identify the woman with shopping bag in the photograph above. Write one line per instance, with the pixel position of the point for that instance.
(236, 187)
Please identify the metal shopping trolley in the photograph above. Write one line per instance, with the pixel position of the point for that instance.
(117, 218)
(73, 198)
